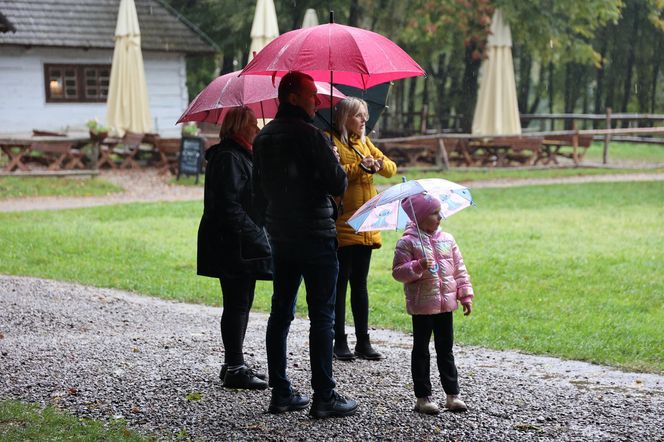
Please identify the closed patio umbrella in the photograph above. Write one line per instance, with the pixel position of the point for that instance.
(310, 18)
(497, 109)
(264, 28)
(127, 106)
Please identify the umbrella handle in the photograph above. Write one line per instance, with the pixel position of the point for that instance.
(419, 234)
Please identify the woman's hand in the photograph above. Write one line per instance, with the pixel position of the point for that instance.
(368, 162)
(335, 151)
(378, 164)
(467, 308)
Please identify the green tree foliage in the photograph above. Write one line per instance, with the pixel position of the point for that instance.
(569, 55)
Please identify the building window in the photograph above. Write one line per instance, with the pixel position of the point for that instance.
(78, 83)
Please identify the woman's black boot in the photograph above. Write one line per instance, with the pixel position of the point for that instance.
(341, 350)
(364, 350)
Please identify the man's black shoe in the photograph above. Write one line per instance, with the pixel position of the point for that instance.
(244, 378)
(295, 401)
(337, 406)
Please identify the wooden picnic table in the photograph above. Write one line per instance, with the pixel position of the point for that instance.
(17, 148)
(555, 146)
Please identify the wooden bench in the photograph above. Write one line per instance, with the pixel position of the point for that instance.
(522, 150)
(573, 147)
(169, 152)
(127, 148)
(59, 154)
(405, 154)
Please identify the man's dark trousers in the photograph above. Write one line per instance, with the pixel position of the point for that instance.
(315, 261)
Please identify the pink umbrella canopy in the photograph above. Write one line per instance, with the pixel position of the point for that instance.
(255, 91)
(355, 57)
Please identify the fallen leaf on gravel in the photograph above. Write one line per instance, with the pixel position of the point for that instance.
(194, 396)
(525, 427)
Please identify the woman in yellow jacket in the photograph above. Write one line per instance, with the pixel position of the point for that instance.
(361, 160)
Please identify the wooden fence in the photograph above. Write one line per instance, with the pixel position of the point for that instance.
(416, 144)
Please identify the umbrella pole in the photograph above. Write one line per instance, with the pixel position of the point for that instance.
(331, 103)
(331, 87)
(412, 210)
(263, 114)
(419, 233)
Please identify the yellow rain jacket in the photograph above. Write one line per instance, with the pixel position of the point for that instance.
(360, 189)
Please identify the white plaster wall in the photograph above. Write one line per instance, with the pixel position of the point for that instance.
(23, 106)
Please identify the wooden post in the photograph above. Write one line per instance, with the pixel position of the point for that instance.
(607, 137)
(423, 118)
(442, 161)
(575, 148)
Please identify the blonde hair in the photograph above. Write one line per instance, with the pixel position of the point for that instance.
(236, 119)
(343, 111)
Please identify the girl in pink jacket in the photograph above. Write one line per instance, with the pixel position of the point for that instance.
(434, 283)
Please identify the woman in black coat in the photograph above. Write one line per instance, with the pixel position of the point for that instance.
(231, 246)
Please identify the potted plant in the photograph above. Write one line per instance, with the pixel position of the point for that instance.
(97, 130)
(190, 129)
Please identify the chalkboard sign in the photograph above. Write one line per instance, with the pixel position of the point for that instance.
(191, 156)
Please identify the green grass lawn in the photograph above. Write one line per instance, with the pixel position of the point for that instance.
(575, 271)
(27, 422)
(17, 187)
(627, 153)
(468, 175)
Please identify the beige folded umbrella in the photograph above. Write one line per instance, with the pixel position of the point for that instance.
(310, 18)
(127, 106)
(264, 28)
(497, 109)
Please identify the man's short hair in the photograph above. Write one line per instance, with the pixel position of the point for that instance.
(291, 83)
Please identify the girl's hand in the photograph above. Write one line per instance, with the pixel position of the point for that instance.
(427, 263)
(467, 308)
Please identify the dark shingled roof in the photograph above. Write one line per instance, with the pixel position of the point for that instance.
(5, 25)
(91, 24)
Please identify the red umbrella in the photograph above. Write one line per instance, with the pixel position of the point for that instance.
(357, 57)
(255, 91)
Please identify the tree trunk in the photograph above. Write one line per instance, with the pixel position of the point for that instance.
(631, 54)
(227, 60)
(539, 90)
(525, 66)
(355, 14)
(412, 87)
(574, 87)
(655, 72)
(441, 97)
(425, 102)
(551, 71)
(599, 78)
(469, 88)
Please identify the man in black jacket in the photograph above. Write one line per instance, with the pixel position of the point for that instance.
(296, 173)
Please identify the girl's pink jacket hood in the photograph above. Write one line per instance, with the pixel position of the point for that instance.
(430, 293)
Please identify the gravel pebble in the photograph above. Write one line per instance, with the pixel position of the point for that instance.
(109, 354)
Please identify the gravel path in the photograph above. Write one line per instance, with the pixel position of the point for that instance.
(144, 185)
(108, 354)
(148, 186)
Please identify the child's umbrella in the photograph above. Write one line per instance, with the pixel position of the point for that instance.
(384, 211)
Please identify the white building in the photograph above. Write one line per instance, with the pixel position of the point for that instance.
(55, 62)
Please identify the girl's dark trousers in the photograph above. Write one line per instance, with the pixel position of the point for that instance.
(441, 325)
(238, 296)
